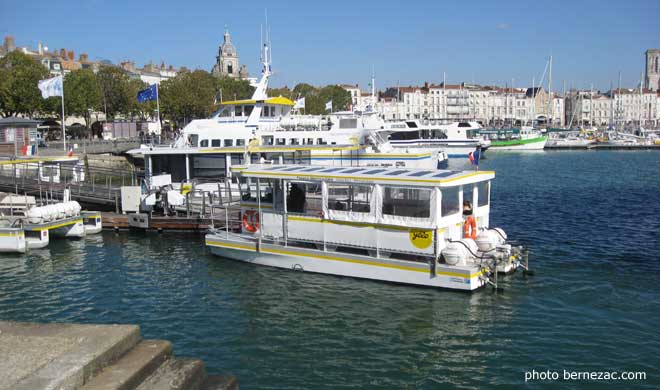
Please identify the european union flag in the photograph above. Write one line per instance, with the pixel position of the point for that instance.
(150, 93)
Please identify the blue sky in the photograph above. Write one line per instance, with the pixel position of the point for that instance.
(407, 42)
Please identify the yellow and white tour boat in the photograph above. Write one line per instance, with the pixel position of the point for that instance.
(412, 226)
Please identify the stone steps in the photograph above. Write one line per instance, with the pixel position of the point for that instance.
(129, 371)
(98, 357)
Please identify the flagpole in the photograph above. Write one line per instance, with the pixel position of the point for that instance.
(63, 126)
(158, 109)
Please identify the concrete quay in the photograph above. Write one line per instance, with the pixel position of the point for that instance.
(108, 357)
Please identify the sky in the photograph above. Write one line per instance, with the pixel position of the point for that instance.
(404, 42)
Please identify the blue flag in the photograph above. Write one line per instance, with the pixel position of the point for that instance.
(150, 93)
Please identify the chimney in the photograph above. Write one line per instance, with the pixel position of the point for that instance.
(71, 55)
(83, 57)
(63, 53)
(10, 45)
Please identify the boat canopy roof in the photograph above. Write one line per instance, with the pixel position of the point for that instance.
(377, 175)
(280, 100)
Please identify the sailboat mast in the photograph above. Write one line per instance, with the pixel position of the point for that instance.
(550, 99)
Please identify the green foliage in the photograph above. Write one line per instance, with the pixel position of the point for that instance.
(118, 94)
(81, 93)
(187, 96)
(19, 77)
(316, 98)
(233, 89)
(285, 91)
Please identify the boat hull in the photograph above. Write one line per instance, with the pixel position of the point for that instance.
(454, 149)
(231, 246)
(527, 144)
(12, 240)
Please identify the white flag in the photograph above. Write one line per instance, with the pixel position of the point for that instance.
(300, 103)
(51, 87)
(328, 105)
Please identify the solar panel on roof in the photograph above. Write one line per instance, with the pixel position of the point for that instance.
(395, 173)
(375, 171)
(312, 169)
(444, 174)
(290, 169)
(275, 167)
(331, 170)
(353, 170)
(420, 173)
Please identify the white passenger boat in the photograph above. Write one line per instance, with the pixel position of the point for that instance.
(262, 128)
(457, 139)
(396, 225)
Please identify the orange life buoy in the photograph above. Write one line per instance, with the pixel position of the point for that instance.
(470, 228)
(251, 221)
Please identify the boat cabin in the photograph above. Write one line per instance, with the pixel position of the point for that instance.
(386, 211)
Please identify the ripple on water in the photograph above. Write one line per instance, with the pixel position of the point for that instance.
(591, 306)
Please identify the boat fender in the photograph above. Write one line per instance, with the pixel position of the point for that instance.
(251, 221)
(470, 228)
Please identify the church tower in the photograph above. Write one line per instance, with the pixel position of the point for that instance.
(653, 69)
(227, 63)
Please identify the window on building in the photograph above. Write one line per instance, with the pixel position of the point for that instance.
(215, 142)
(346, 197)
(230, 69)
(407, 202)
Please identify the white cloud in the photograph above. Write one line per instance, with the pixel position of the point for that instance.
(503, 26)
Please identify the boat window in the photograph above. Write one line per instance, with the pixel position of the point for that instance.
(248, 188)
(240, 142)
(348, 123)
(482, 193)
(238, 111)
(193, 139)
(225, 112)
(294, 141)
(450, 201)
(310, 141)
(463, 124)
(267, 140)
(248, 110)
(204, 143)
(355, 198)
(468, 192)
(320, 141)
(304, 198)
(265, 111)
(280, 141)
(229, 142)
(407, 202)
(215, 142)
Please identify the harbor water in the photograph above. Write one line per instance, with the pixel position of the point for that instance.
(591, 219)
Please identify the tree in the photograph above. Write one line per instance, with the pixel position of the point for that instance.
(115, 91)
(316, 98)
(233, 89)
(187, 96)
(285, 91)
(82, 94)
(19, 79)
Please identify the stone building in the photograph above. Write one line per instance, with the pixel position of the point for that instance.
(652, 79)
(227, 61)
